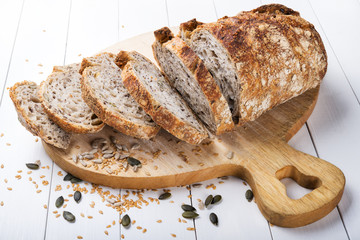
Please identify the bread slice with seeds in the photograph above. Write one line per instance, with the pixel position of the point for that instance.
(33, 117)
(188, 74)
(104, 92)
(152, 91)
(60, 95)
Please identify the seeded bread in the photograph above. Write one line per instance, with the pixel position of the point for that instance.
(152, 91)
(260, 58)
(188, 74)
(33, 117)
(61, 98)
(104, 92)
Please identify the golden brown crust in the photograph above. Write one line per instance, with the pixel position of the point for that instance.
(189, 26)
(151, 106)
(122, 59)
(211, 90)
(163, 35)
(274, 9)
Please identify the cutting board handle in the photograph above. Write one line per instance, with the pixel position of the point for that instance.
(277, 160)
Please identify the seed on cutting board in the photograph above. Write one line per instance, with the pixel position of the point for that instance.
(68, 177)
(93, 151)
(125, 221)
(214, 219)
(89, 156)
(69, 216)
(208, 200)
(117, 156)
(75, 180)
(59, 201)
(98, 161)
(125, 165)
(249, 195)
(77, 196)
(135, 168)
(118, 146)
(187, 207)
(105, 147)
(108, 155)
(109, 151)
(83, 163)
(32, 166)
(135, 146)
(216, 199)
(75, 158)
(133, 161)
(190, 214)
(124, 148)
(164, 196)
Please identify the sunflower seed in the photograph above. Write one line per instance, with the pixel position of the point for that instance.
(93, 151)
(97, 143)
(108, 155)
(83, 163)
(208, 200)
(125, 221)
(109, 151)
(186, 207)
(113, 139)
(201, 205)
(118, 146)
(135, 146)
(89, 156)
(68, 177)
(75, 158)
(117, 156)
(109, 170)
(216, 199)
(249, 195)
(77, 196)
(133, 161)
(196, 185)
(75, 180)
(230, 155)
(117, 204)
(59, 201)
(104, 148)
(38, 162)
(189, 214)
(80, 157)
(164, 196)
(68, 216)
(98, 161)
(122, 156)
(110, 200)
(124, 148)
(125, 165)
(32, 166)
(96, 122)
(214, 219)
(135, 168)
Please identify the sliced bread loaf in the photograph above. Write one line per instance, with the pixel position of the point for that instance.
(104, 92)
(33, 117)
(188, 74)
(152, 91)
(61, 98)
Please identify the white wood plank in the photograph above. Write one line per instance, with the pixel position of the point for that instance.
(137, 17)
(231, 7)
(9, 18)
(182, 11)
(340, 21)
(23, 215)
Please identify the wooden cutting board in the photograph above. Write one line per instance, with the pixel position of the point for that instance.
(261, 156)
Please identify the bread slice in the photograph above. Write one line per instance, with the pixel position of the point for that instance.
(33, 117)
(188, 74)
(61, 98)
(152, 91)
(260, 58)
(104, 92)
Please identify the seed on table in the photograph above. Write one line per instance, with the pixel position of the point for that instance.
(133, 161)
(59, 201)
(186, 207)
(196, 185)
(69, 216)
(77, 196)
(68, 177)
(216, 199)
(32, 166)
(125, 221)
(249, 195)
(208, 200)
(75, 180)
(164, 196)
(190, 214)
(213, 218)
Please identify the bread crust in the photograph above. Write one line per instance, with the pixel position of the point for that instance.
(68, 126)
(249, 41)
(29, 124)
(109, 117)
(151, 106)
(215, 100)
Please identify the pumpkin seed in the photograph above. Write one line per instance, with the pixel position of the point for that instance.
(216, 199)
(75, 180)
(59, 202)
(69, 216)
(164, 196)
(68, 177)
(214, 219)
(208, 200)
(249, 195)
(186, 207)
(125, 221)
(32, 166)
(133, 161)
(77, 196)
(189, 214)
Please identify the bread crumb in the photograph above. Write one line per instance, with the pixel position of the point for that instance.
(41, 72)
(122, 26)
(44, 30)
(8, 144)
(79, 54)
(40, 65)
(26, 60)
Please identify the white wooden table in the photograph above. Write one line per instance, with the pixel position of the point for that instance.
(35, 35)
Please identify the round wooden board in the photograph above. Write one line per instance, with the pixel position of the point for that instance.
(261, 156)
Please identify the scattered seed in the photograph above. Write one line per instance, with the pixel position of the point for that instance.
(135, 168)
(186, 207)
(75, 158)
(109, 170)
(190, 214)
(249, 195)
(93, 151)
(69, 216)
(79, 237)
(201, 205)
(125, 165)
(77, 196)
(165, 196)
(97, 143)
(117, 156)
(108, 155)
(89, 156)
(208, 200)
(106, 232)
(230, 155)
(32, 166)
(159, 221)
(38, 162)
(118, 146)
(126, 221)
(190, 229)
(68, 177)
(133, 161)
(97, 161)
(135, 146)
(75, 180)
(117, 204)
(59, 201)
(216, 199)
(109, 151)
(110, 200)
(196, 185)
(124, 148)
(173, 235)
(214, 219)
(83, 163)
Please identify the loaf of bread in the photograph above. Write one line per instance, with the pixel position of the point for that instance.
(188, 74)
(152, 91)
(259, 58)
(33, 117)
(104, 92)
